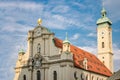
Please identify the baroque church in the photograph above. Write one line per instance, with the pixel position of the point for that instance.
(49, 58)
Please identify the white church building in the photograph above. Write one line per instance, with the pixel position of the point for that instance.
(49, 58)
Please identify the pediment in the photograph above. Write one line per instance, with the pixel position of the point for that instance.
(40, 30)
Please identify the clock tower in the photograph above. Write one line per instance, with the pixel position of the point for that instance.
(104, 40)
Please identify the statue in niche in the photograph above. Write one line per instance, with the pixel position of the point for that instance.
(38, 48)
(37, 61)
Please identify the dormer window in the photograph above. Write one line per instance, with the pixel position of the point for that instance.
(85, 63)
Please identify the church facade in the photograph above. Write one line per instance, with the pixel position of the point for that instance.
(49, 58)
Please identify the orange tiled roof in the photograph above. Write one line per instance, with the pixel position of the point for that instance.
(94, 64)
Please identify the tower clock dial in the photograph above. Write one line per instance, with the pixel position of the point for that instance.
(102, 32)
(38, 32)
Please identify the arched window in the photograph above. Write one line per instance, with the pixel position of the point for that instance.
(24, 77)
(54, 75)
(38, 48)
(75, 75)
(82, 76)
(38, 75)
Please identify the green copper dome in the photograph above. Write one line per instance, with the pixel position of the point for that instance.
(21, 51)
(103, 12)
(103, 18)
(66, 40)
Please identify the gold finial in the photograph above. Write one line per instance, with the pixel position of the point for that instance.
(39, 21)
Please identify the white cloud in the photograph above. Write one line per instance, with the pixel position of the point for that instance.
(16, 27)
(91, 35)
(58, 21)
(113, 9)
(116, 65)
(79, 5)
(29, 12)
(61, 9)
(21, 5)
(75, 36)
(8, 58)
(116, 52)
(91, 49)
(14, 12)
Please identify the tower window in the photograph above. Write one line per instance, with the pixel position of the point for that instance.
(54, 75)
(103, 57)
(38, 75)
(103, 45)
(24, 77)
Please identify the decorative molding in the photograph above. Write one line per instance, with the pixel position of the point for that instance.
(54, 57)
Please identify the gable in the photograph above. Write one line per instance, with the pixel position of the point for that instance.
(40, 30)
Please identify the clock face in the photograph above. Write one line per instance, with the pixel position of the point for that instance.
(102, 32)
(38, 32)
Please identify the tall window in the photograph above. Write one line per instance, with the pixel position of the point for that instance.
(82, 76)
(54, 75)
(92, 77)
(38, 48)
(86, 77)
(97, 78)
(75, 75)
(38, 75)
(24, 77)
(103, 45)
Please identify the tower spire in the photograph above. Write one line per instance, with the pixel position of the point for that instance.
(66, 39)
(102, 3)
(104, 18)
(66, 36)
(103, 11)
(66, 44)
(104, 40)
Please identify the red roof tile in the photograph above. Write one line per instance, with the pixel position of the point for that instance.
(94, 64)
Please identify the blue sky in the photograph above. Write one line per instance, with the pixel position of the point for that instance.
(77, 17)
